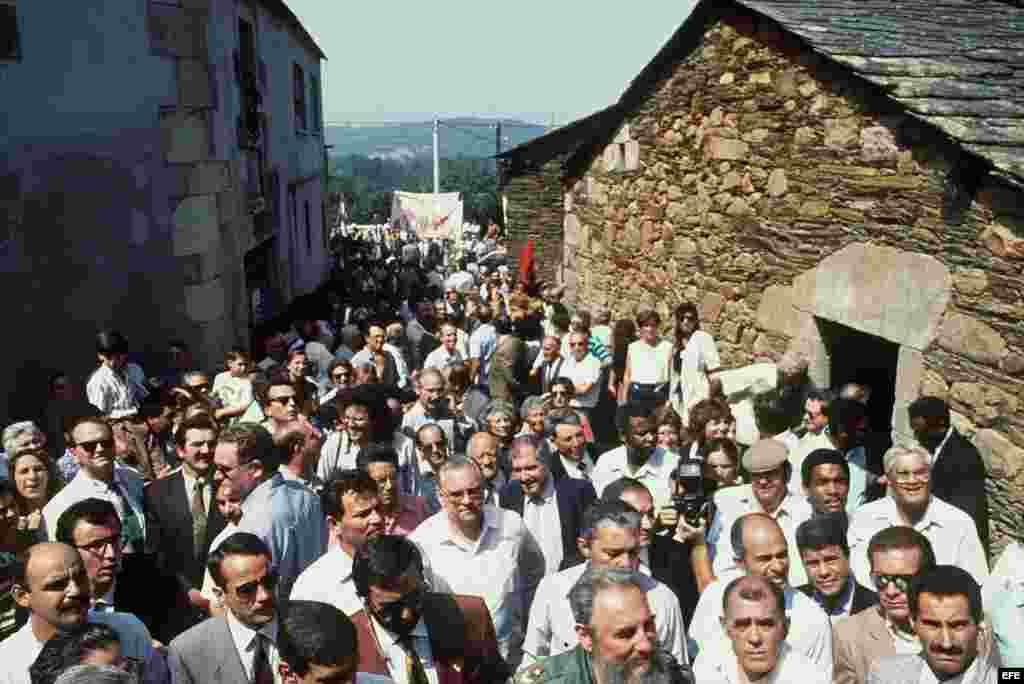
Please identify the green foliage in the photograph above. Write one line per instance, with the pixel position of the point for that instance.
(367, 184)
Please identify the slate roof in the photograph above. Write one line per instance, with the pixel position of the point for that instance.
(957, 65)
(280, 10)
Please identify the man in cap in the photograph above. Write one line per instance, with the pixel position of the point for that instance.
(768, 492)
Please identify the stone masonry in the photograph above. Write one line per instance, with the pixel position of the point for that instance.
(773, 189)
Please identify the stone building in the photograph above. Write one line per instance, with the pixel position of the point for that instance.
(161, 169)
(841, 177)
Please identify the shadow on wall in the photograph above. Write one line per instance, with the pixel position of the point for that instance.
(76, 271)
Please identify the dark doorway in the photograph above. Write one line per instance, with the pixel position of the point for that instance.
(866, 360)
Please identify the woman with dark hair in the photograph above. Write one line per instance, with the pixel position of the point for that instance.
(648, 364)
(670, 429)
(35, 484)
(88, 644)
(11, 550)
(694, 359)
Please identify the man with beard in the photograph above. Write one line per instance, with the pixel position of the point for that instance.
(609, 538)
(54, 586)
(769, 493)
(412, 634)
(618, 641)
(958, 472)
(847, 428)
(353, 509)
(241, 645)
(756, 624)
(825, 474)
(826, 555)
(946, 610)
(286, 515)
(482, 449)
(552, 510)
(898, 555)
(951, 532)
(638, 458)
(760, 548)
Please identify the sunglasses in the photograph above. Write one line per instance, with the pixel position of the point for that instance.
(249, 589)
(90, 446)
(902, 582)
(393, 610)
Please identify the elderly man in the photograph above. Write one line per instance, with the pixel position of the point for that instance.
(286, 515)
(552, 509)
(354, 515)
(480, 550)
(548, 364)
(584, 369)
(532, 413)
(53, 585)
(768, 493)
(952, 533)
(482, 449)
(617, 638)
(755, 621)
(958, 472)
(609, 538)
(945, 607)
(898, 555)
(760, 548)
(567, 441)
(299, 445)
(499, 420)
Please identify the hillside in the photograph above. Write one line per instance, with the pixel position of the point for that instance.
(460, 138)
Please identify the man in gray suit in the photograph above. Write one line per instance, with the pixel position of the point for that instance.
(945, 607)
(897, 555)
(240, 646)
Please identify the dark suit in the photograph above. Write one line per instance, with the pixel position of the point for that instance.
(863, 598)
(169, 528)
(670, 564)
(573, 498)
(462, 641)
(958, 478)
(548, 372)
(206, 654)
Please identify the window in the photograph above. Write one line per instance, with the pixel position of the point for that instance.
(309, 232)
(10, 46)
(300, 97)
(314, 101)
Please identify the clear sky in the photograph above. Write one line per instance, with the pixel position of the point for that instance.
(409, 60)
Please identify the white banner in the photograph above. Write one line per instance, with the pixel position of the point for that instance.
(430, 216)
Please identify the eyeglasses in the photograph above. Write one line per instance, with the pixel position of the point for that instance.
(906, 476)
(90, 446)
(249, 589)
(901, 582)
(284, 401)
(100, 546)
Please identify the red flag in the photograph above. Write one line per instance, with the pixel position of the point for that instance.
(526, 264)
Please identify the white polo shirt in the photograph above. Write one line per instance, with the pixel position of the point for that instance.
(654, 474)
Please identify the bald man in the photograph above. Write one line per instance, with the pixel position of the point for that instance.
(760, 549)
(54, 587)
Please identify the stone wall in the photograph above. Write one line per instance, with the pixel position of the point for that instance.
(534, 211)
(775, 189)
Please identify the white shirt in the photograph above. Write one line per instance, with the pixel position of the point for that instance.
(649, 365)
(503, 567)
(481, 346)
(572, 468)
(441, 357)
(394, 654)
(552, 628)
(654, 474)
(111, 393)
(952, 533)
(721, 667)
(691, 384)
(542, 519)
(245, 643)
(319, 359)
(84, 487)
(587, 371)
(733, 503)
(810, 631)
(233, 392)
(337, 454)
(400, 366)
(1007, 575)
(208, 585)
(329, 580)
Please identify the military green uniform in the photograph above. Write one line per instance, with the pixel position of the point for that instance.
(571, 667)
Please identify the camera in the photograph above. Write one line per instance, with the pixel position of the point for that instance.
(692, 502)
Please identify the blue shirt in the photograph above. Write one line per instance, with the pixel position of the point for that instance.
(287, 516)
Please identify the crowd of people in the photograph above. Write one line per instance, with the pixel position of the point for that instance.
(437, 472)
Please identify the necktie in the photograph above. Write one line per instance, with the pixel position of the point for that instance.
(414, 672)
(198, 518)
(132, 533)
(261, 673)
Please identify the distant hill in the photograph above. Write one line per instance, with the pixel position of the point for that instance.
(462, 137)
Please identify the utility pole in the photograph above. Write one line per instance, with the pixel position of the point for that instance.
(437, 161)
(497, 146)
